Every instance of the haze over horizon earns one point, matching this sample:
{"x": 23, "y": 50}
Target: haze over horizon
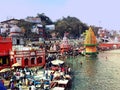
{"x": 104, "y": 13}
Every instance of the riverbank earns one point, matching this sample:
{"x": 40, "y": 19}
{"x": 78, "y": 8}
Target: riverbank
{"x": 113, "y": 51}
{"x": 36, "y": 75}
{"x": 99, "y": 73}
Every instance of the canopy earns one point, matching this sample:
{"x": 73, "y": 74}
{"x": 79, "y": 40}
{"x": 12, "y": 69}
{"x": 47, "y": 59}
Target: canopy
{"x": 16, "y": 65}
{"x": 5, "y": 70}
{"x": 57, "y": 62}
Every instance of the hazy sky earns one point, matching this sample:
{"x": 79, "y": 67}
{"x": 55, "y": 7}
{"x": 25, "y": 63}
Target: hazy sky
{"x": 103, "y": 13}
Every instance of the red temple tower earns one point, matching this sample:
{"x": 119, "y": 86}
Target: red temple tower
{"x": 5, "y": 47}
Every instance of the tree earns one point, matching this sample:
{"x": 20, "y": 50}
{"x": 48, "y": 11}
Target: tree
{"x": 72, "y": 25}
{"x": 45, "y": 20}
{"x": 26, "y": 26}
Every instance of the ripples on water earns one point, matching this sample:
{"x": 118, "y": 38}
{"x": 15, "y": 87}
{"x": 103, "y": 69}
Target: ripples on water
{"x": 101, "y": 73}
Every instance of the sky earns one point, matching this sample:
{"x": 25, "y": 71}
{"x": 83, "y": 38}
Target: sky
{"x": 104, "y": 13}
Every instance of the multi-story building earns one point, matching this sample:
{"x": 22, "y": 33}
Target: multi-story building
{"x": 16, "y": 35}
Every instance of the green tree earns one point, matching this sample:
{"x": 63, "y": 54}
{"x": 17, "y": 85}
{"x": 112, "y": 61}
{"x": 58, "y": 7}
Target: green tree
{"x": 72, "y": 25}
{"x": 45, "y": 20}
{"x": 27, "y": 26}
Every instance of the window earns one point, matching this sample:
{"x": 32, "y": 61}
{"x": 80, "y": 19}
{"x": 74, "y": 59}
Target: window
{"x": 18, "y": 42}
{"x": 32, "y": 60}
{"x": 26, "y": 62}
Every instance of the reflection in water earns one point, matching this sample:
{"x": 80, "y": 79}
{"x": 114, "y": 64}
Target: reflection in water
{"x": 90, "y": 68}
{"x": 96, "y": 73}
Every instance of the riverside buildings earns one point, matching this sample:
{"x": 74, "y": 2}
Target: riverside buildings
{"x": 13, "y": 49}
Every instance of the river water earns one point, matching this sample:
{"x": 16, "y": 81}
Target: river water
{"x": 100, "y": 73}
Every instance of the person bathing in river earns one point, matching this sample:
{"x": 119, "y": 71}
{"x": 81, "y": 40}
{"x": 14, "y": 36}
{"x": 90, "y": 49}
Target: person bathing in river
{"x": 106, "y": 58}
{"x": 81, "y": 63}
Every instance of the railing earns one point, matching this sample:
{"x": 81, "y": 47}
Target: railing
{"x": 29, "y": 52}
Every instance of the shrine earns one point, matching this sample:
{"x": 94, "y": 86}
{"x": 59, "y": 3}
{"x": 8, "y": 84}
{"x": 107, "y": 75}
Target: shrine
{"x": 90, "y": 43}
{"x": 64, "y": 46}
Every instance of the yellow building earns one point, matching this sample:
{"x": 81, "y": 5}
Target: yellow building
{"x": 90, "y": 43}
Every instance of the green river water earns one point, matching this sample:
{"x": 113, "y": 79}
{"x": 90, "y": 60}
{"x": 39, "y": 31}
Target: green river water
{"x": 99, "y": 73}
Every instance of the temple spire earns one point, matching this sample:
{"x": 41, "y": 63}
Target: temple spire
{"x": 90, "y": 42}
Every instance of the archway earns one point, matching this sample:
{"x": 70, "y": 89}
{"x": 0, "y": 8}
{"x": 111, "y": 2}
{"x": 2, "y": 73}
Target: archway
{"x": 39, "y": 60}
{"x": 26, "y": 61}
{"x": 32, "y": 60}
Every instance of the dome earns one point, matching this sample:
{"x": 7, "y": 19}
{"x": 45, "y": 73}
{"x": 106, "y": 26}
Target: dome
{"x": 15, "y": 29}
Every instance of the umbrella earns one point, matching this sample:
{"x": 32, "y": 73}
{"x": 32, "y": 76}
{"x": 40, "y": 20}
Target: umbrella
{"x": 16, "y": 65}
{"x": 57, "y": 62}
{"x": 5, "y": 70}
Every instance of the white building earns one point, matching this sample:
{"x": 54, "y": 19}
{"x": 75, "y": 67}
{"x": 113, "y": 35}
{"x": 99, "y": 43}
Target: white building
{"x": 17, "y": 36}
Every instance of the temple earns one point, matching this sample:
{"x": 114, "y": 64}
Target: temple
{"x": 90, "y": 43}
{"x": 64, "y": 46}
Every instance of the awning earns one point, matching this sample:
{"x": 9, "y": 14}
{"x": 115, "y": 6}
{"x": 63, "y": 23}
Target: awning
{"x": 57, "y": 62}
{"x": 16, "y": 65}
{"x": 5, "y": 70}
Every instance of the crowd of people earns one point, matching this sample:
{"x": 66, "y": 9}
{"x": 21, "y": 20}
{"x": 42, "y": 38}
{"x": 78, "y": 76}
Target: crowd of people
{"x": 24, "y": 77}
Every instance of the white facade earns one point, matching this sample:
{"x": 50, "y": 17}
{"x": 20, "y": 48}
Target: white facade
{"x": 17, "y": 36}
